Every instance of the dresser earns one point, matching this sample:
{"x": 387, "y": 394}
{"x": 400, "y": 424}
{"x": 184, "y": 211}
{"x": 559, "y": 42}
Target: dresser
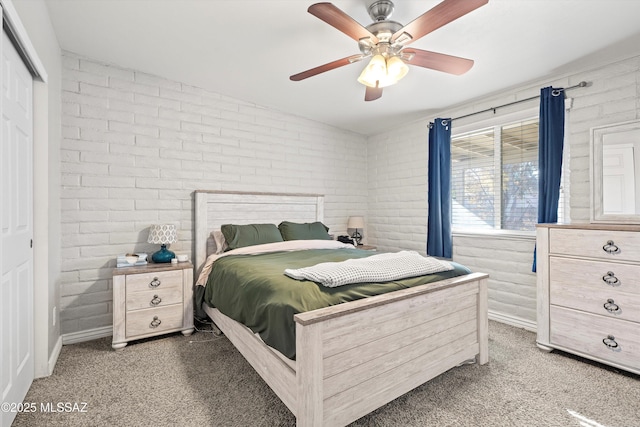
{"x": 588, "y": 284}
{"x": 151, "y": 300}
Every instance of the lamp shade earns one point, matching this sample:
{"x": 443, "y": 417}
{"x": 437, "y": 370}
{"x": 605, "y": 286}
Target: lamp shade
{"x": 162, "y": 234}
{"x": 381, "y": 72}
{"x": 396, "y": 68}
{"x": 375, "y": 72}
{"x": 355, "y": 222}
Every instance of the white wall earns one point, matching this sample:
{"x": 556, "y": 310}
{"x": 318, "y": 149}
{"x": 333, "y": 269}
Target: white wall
{"x": 136, "y": 146}
{"x": 397, "y": 180}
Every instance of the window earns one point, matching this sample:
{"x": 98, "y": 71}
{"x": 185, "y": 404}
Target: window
{"x": 494, "y": 177}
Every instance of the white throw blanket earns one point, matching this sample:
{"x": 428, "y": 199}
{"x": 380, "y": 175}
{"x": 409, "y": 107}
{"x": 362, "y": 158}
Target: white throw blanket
{"x": 376, "y": 268}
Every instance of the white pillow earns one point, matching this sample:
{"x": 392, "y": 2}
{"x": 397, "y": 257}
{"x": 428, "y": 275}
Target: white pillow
{"x": 221, "y": 243}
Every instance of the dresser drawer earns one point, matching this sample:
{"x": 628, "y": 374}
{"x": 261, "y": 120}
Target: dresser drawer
{"x": 155, "y": 280}
{"x": 589, "y": 333}
{"x": 597, "y": 275}
{"x": 153, "y": 320}
{"x": 581, "y": 284}
{"x": 153, "y": 298}
{"x": 623, "y": 245}
{"x": 616, "y": 305}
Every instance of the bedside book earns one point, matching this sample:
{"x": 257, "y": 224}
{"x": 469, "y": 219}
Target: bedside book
{"x": 122, "y": 262}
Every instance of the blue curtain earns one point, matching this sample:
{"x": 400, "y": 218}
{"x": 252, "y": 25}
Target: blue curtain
{"x": 439, "y": 238}
{"x": 551, "y": 144}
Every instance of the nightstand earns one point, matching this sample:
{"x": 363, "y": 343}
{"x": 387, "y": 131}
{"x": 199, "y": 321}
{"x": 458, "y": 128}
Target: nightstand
{"x": 151, "y": 300}
{"x": 367, "y": 247}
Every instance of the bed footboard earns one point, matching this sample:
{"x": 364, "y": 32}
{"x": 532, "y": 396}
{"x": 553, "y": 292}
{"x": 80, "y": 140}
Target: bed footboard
{"x": 353, "y": 358}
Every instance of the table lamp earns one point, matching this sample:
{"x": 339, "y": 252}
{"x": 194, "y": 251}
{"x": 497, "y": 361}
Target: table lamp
{"x": 162, "y": 234}
{"x": 356, "y": 222}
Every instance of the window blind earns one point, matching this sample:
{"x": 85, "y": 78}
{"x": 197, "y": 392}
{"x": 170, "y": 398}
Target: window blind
{"x": 494, "y": 176}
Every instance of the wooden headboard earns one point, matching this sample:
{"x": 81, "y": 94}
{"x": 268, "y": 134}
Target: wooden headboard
{"x": 215, "y": 208}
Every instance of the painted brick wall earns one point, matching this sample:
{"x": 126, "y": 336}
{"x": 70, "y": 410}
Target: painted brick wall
{"x": 136, "y": 146}
{"x": 613, "y": 97}
{"x": 397, "y": 180}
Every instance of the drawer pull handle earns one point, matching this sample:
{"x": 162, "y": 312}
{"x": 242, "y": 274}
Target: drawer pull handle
{"x": 155, "y": 322}
{"x": 155, "y": 282}
{"x": 611, "y": 279}
{"x": 610, "y": 341}
{"x": 156, "y": 300}
{"x": 611, "y": 306}
{"x": 611, "y": 248}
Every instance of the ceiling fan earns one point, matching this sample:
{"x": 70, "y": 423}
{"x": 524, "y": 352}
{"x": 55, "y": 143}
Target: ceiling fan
{"x": 386, "y": 42}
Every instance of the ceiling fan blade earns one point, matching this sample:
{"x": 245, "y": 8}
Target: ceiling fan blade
{"x": 442, "y": 14}
{"x": 372, "y": 93}
{"x": 438, "y": 61}
{"x": 340, "y": 20}
{"x": 327, "y": 67}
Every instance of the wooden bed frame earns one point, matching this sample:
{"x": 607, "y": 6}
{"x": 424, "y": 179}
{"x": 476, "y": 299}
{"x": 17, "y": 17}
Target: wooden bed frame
{"x": 355, "y": 357}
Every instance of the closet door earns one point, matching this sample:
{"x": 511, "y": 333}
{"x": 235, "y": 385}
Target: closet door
{"x": 16, "y": 231}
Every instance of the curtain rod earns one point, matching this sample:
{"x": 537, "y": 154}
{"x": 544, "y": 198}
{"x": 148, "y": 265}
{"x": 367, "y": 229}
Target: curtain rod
{"x": 581, "y": 84}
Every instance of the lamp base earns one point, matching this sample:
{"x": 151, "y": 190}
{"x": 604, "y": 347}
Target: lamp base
{"x": 357, "y": 237}
{"x": 163, "y": 255}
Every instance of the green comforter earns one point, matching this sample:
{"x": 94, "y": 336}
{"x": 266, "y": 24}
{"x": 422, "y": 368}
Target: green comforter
{"x": 253, "y": 290}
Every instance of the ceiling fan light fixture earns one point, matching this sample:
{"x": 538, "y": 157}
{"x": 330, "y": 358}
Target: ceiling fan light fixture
{"x": 381, "y": 72}
{"x": 396, "y": 68}
{"x": 375, "y": 72}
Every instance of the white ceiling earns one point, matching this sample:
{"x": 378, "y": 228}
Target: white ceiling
{"x": 247, "y": 49}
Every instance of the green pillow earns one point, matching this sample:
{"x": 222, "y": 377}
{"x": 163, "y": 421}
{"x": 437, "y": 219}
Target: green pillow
{"x": 306, "y": 231}
{"x": 239, "y": 236}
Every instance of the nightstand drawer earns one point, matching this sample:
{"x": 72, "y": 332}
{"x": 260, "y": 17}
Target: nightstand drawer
{"x": 613, "y": 340}
{"x": 153, "y": 320}
{"x": 153, "y": 298}
{"x": 156, "y": 280}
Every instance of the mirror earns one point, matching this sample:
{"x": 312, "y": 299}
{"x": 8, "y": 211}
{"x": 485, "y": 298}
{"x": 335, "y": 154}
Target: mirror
{"x": 615, "y": 173}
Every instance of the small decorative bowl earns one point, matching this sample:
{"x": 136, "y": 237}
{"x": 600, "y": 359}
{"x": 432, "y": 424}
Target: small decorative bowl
{"x": 131, "y": 258}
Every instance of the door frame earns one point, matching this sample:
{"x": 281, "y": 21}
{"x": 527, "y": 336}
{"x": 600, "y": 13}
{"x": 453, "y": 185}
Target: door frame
{"x": 42, "y": 322}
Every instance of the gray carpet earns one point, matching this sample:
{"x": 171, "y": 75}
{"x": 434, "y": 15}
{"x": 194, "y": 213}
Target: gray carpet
{"x": 172, "y": 381}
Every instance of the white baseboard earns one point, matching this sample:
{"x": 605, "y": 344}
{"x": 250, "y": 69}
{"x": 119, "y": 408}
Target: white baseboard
{"x": 513, "y": 321}
{"x": 47, "y": 369}
{"x": 88, "y": 335}
{"x": 53, "y": 359}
